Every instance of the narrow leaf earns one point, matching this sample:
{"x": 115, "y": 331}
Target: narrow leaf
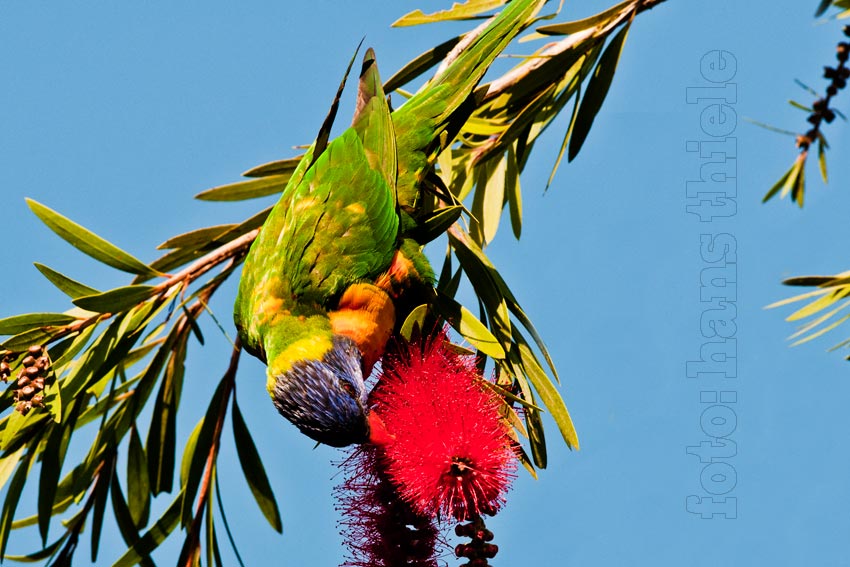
{"x": 138, "y": 483}
{"x": 420, "y": 64}
{"x": 154, "y": 536}
{"x": 597, "y": 89}
{"x": 195, "y": 238}
{"x": 255, "y": 473}
{"x": 13, "y": 496}
{"x": 66, "y": 285}
{"x": 124, "y": 519}
{"x": 549, "y": 395}
{"x": 279, "y": 167}
{"x": 779, "y": 185}
{"x": 513, "y": 192}
{"x": 436, "y": 224}
{"x": 244, "y": 190}
{"x": 469, "y": 326}
{"x": 88, "y": 242}
{"x": 18, "y": 324}
{"x": 115, "y": 300}
{"x": 471, "y": 9}
{"x": 822, "y": 161}
{"x": 599, "y": 20}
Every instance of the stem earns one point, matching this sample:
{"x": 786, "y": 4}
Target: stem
{"x": 511, "y": 78}
{"x": 206, "y": 482}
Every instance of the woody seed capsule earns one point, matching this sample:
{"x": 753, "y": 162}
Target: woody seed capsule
{"x": 34, "y": 350}
{"x": 23, "y": 381}
{"x": 27, "y": 391}
{"x": 32, "y": 371}
{"x": 28, "y": 361}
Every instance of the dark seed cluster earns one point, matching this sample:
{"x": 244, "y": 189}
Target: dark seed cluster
{"x": 821, "y": 112}
{"x": 30, "y": 381}
{"x": 479, "y": 550}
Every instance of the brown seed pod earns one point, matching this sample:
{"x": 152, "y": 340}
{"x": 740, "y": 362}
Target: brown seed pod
{"x": 28, "y": 361}
{"x": 32, "y": 371}
{"x": 27, "y": 391}
{"x": 35, "y": 350}
{"x": 23, "y": 381}
{"x": 37, "y": 401}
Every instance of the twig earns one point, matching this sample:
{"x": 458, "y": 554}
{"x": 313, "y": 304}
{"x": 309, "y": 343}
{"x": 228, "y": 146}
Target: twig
{"x": 516, "y": 75}
{"x": 206, "y": 482}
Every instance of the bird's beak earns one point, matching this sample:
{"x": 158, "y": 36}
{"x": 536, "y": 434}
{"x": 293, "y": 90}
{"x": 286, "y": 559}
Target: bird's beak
{"x": 378, "y": 434}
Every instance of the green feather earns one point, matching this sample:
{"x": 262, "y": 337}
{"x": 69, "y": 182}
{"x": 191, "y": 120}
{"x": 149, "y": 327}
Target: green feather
{"x": 337, "y": 221}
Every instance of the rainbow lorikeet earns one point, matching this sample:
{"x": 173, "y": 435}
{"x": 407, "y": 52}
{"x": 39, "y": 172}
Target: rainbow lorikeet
{"x": 322, "y": 285}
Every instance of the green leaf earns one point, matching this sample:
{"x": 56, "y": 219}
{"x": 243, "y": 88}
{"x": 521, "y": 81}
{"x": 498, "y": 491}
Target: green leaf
{"x": 154, "y": 536}
{"x": 226, "y": 523}
{"x": 193, "y": 324}
{"x": 279, "y": 167}
{"x": 115, "y": 300}
{"x": 7, "y": 465}
{"x": 13, "y": 496}
{"x": 124, "y": 519}
{"x": 18, "y": 324}
{"x": 195, "y": 238}
{"x": 22, "y": 341}
{"x": 567, "y": 136}
{"x": 469, "y": 326}
{"x": 822, "y": 8}
{"x": 597, "y": 89}
{"x": 414, "y": 321}
{"x": 549, "y": 395}
{"x": 469, "y": 10}
{"x": 822, "y": 161}
{"x": 513, "y": 192}
{"x": 781, "y": 184}
{"x": 189, "y": 452}
{"x": 799, "y": 106}
{"x": 88, "y": 242}
{"x": 138, "y": 483}
{"x": 41, "y": 554}
{"x": 66, "y": 285}
{"x": 162, "y": 435}
{"x": 203, "y": 447}
{"x": 536, "y": 437}
{"x": 420, "y": 64}
{"x": 597, "y": 21}
{"x": 52, "y": 458}
{"x": 101, "y": 495}
{"x": 436, "y": 224}
{"x": 255, "y": 473}
{"x": 244, "y": 190}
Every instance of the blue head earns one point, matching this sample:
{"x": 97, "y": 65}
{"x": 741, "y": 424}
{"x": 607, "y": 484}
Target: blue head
{"x": 326, "y": 398}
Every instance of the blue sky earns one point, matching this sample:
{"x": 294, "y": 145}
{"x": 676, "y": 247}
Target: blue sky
{"x": 115, "y": 114}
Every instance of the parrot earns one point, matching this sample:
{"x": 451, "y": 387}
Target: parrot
{"x": 323, "y": 283}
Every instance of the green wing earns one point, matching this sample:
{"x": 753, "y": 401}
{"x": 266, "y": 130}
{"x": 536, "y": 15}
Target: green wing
{"x": 336, "y": 224}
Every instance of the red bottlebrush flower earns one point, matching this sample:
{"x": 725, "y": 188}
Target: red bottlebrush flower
{"x": 379, "y": 528}
{"x": 451, "y": 454}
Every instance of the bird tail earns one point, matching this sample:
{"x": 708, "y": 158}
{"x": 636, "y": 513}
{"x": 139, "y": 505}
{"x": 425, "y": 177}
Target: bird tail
{"x": 423, "y": 122}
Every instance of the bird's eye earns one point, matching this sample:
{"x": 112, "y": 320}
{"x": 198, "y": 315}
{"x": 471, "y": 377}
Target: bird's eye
{"x": 348, "y": 387}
